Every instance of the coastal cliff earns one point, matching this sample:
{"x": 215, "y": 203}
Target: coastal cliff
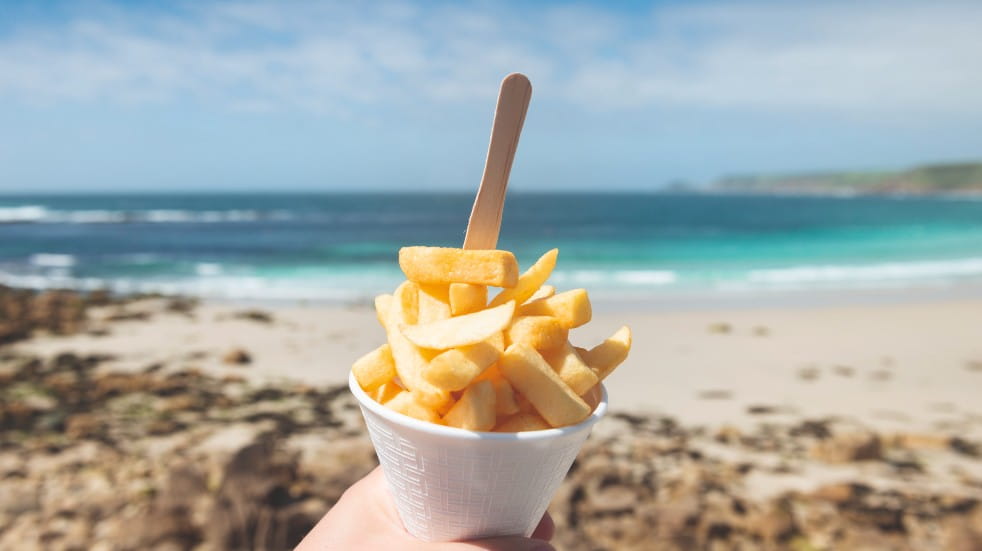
{"x": 934, "y": 179}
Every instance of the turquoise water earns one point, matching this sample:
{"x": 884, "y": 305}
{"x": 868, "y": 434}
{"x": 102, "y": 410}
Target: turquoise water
{"x": 343, "y": 246}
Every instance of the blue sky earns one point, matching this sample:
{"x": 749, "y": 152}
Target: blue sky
{"x": 263, "y": 95}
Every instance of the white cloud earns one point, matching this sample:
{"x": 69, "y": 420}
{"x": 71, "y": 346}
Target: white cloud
{"x": 339, "y": 58}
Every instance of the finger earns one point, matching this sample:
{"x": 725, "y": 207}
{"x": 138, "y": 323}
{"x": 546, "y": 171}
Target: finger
{"x": 546, "y": 528}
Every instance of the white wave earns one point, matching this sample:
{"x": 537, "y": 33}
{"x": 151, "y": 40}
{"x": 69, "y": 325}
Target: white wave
{"x": 891, "y": 271}
{"x": 85, "y": 217}
{"x": 21, "y": 214}
{"x": 41, "y": 215}
{"x": 613, "y": 277}
{"x": 646, "y": 277}
{"x": 208, "y": 269}
{"x": 185, "y": 216}
{"x": 51, "y": 260}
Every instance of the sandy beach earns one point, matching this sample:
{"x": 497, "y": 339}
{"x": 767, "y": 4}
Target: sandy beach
{"x": 910, "y": 366}
{"x": 826, "y": 426}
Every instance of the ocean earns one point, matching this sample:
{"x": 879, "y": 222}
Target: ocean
{"x": 343, "y": 247}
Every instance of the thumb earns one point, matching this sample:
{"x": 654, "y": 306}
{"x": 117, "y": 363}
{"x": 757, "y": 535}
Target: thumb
{"x": 511, "y": 543}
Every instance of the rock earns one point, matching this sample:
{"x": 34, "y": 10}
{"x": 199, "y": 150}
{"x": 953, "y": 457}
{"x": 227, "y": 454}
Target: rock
{"x": 965, "y": 447}
{"x": 13, "y": 331}
{"x": 115, "y": 384}
{"x": 773, "y": 524}
{"x": 182, "y": 305}
{"x": 720, "y": 328}
{"x": 809, "y": 373}
{"x": 728, "y": 434}
{"x": 844, "y": 370}
{"x": 237, "y": 356}
{"x": 919, "y": 441}
{"x": 840, "y": 493}
{"x": 716, "y": 394}
{"x": 960, "y": 535}
{"x": 83, "y": 425}
{"x": 253, "y": 507}
{"x": 848, "y": 447}
{"x": 258, "y": 316}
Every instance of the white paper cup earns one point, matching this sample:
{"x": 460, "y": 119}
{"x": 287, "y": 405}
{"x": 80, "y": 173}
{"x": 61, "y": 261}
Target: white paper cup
{"x": 451, "y": 484}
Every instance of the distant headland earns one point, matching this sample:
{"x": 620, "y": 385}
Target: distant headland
{"x": 934, "y": 179}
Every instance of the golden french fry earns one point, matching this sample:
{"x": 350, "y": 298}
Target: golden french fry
{"x": 475, "y": 409}
{"x": 529, "y": 374}
{"x": 410, "y": 360}
{"x": 504, "y": 397}
{"x": 571, "y": 308}
{"x": 407, "y": 297}
{"x": 461, "y": 330}
{"x": 524, "y": 405}
{"x": 447, "y": 265}
{"x": 375, "y": 368}
{"x": 539, "y": 332}
{"x": 406, "y": 403}
{"x": 434, "y": 303}
{"x": 545, "y": 291}
{"x": 382, "y": 304}
{"x": 386, "y": 392}
{"x": 521, "y": 422}
{"x": 466, "y": 298}
{"x": 530, "y": 281}
{"x": 506, "y": 400}
{"x": 571, "y": 368}
{"x": 457, "y": 367}
{"x": 609, "y": 354}
{"x": 497, "y": 340}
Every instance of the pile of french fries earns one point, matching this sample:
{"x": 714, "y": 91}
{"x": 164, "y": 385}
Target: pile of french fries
{"x": 507, "y": 365}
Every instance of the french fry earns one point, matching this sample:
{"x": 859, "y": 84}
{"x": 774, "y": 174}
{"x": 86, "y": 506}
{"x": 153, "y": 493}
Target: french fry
{"x": 446, "y": 265}
{"x": 475, "y": 409}
{"x": 521, "y": 422}
{"x": 375, "y": 368}
{"x": 407, "y": 297}
{"x": 530, "y": 281}
{"x": 539, "y": 332}
{"x": 406, "y": 403}
{"x": 460, "y": 330}
{"x": 382, "y": 304}
{"x": 466, "y": 298}
{"x": 545, "y": 291}
{"x": 386, "y": 392}
{"x": 457, "y": 367}
{"x": 453, "y": 358}
{"x": 504, "y": 397}
{"x": 434, "y": 303}
{"x": 506, "y": 401}
{"x": 571, "y": 308}
{"x": 497, "y": 340}
{"x": 606, "y": 356}
{"x": 571, "y": 368}
{"x": 410, "y": 360}
{"x": 529, "y": 374}
{"x": 524, "y": 405}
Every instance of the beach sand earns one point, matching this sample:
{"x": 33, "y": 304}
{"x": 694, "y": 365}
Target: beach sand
{"x": 819, "y": 427}
{"x": 911, "y": 366}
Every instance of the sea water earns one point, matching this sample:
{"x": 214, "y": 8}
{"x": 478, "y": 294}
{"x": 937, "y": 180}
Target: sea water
{"x": 343, "y": 247}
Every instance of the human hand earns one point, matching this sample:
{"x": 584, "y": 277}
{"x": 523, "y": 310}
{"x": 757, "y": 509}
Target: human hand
{"x": 365, "y": 518}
